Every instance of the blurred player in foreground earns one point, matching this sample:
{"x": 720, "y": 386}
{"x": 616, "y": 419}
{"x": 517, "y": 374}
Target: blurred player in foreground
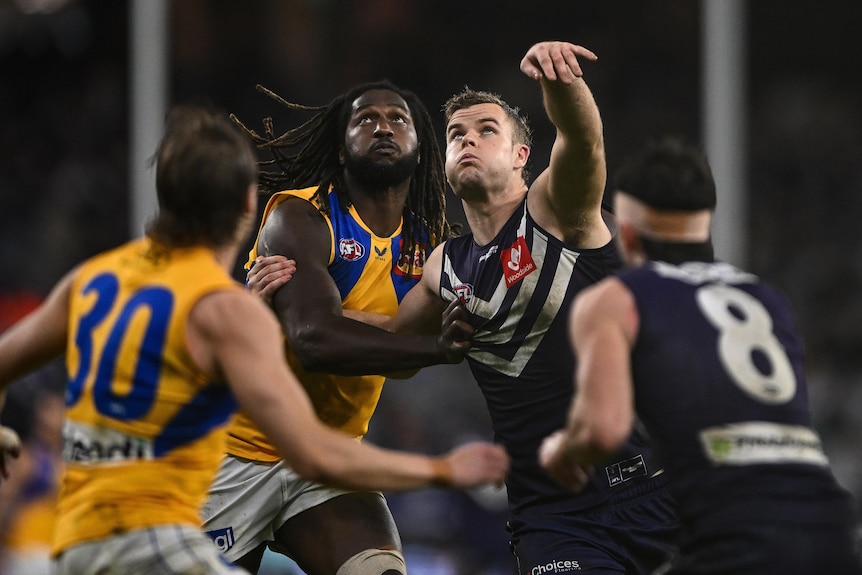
{"x": 160, "y": 345}
{"x": 709, "y": 358}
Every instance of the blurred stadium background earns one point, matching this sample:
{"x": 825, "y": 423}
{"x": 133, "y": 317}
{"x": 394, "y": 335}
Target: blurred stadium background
{"x": 771, "y": 88}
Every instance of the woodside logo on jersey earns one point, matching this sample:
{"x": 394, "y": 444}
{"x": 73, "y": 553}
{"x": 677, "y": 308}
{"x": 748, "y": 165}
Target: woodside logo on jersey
{"x": 517, "y": 262}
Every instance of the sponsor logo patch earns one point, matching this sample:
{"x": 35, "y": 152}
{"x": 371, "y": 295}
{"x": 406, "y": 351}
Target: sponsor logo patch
{"x": 87, "y": 445}
{"x": 757, "y": 442}
{"x": 223, "y": 538}
{"x": 517, "y": 262}
{"x": 556, "y": 566}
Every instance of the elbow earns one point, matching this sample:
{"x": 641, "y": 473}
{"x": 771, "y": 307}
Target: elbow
{"x": 309, "y": 344}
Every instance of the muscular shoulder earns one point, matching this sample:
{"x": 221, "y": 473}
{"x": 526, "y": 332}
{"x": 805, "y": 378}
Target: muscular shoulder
{"x": 224, "y": 318}
{"x": 293, "y": 224}
{"x": 608, "y": 302}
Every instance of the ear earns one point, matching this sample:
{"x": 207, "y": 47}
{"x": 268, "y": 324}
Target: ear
{"x": 341, "y": 156}
{"x": 522, "y": 154}
{"x": 251, "y": 200}
{"x": 630, "y": 242}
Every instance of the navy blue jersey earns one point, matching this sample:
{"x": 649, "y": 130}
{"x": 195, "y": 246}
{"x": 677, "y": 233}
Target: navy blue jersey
{"x": 518, "y": 290}
{"x": 720, "y": 387}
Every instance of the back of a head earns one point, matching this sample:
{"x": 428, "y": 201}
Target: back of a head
{"x": 204, "y": 167}
{"x": 668, "y": 175}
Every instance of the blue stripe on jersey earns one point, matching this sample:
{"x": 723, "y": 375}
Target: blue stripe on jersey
{"x": 210, "y": 408}
{"x": 352, "y": 244}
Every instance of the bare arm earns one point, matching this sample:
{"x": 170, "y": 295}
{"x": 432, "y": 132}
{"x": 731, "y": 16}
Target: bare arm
{"x": 603, "y": 327}
{"x": 310, "y": 312}
{"x": 26, "y": 346}
{"x": 566, "y": 197}
{"x": 232, "y": 334}
{"x": 38, "y": 338}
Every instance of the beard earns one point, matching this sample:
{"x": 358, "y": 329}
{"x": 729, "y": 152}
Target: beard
{"x": 373, "y": 174}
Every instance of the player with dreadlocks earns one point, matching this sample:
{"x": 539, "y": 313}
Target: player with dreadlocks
{"x": 356, "y": 199}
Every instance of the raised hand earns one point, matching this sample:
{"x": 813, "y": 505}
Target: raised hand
{"x": 555, "y": 61}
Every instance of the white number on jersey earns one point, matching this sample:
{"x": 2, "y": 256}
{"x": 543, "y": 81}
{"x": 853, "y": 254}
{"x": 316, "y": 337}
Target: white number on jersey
{"x": 745, "y": 333}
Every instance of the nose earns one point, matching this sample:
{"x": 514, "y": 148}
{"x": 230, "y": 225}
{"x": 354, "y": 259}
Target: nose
{"x": 383, "y": 128}
{"x": 469, "y": 138}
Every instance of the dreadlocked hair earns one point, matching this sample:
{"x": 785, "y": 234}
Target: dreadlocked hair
{"x": 307, "y": 156}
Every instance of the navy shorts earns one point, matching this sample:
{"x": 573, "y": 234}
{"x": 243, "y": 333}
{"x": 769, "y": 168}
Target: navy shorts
{"x": 633, "y": 532}
{"x": 771, "y": 549}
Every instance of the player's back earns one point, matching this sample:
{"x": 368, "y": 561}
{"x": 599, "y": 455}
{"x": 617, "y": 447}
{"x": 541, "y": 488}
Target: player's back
{"x": 720, "y": 386}
{"x": 145, "y": 429}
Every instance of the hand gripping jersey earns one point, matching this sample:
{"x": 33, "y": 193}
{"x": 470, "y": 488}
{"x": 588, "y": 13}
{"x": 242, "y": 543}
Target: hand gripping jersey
{"x": 145, "y": 429}
{"x": 720, "y": 386}
{"x": 518, "y": 290}
{"x": 371, "y": 275}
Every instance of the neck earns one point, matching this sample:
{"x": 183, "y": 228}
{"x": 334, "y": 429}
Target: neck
{"x": 677, "y": 252}
{"x": 487, "y": 216}
{"x": 380, "y": 209}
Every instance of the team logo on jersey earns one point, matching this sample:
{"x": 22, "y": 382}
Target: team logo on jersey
{"x": 517, "y": 262}
{"x": 350, "y": 250}
{"x": 464, "y": 293}
{"x": 402, "y": 266}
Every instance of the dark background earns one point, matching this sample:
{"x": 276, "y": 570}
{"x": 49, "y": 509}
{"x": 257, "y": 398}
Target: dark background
{"x": 64, "y": 167}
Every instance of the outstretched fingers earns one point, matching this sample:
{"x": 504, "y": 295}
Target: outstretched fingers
{"x": 555, "y": 61}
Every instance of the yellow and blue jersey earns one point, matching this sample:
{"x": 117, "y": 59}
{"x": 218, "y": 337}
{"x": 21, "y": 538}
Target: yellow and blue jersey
{"x": 145, "y": 428}
{"x": 371, "y": 273}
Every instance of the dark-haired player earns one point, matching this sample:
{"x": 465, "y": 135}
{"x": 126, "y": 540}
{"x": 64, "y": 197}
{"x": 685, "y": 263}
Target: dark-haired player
{"x": 709, "y": 359}
{"x": 356, "y": 200}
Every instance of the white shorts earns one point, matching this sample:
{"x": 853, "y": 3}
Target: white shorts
{"x": 164, "y": 550}
{"x": 249, "y": 501}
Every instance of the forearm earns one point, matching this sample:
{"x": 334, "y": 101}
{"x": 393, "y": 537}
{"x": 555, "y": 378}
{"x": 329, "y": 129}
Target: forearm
{"x": 364, "y": 466}
{"x": 573, "y": 110}
{"x": 329, "y": 456}
{"x": 347, "y": 347}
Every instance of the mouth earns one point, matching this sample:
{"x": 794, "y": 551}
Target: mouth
{"x": 385, "y": 147}
{"x": 467, "y": 158}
